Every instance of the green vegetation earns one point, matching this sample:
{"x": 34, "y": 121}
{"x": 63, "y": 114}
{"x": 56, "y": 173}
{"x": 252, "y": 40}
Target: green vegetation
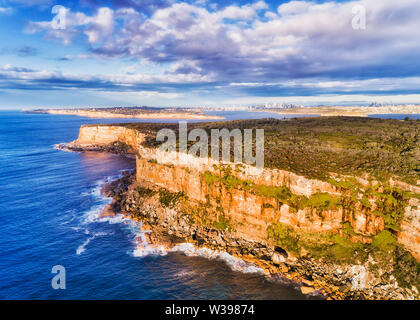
{"x": 283, "y": 195}
{"x": 344, "y": 250}
{"x": 384, "y": 241}
{"x": 222, "y": 223}
{"x": 323, "y": 201}
{"x": 210, "y": 178}
{"x": 338, "y": 248}
{"x": 391, "y": 204}
{"x": 334, "y": 247}
{"x": 320, "y": 245}
{"x": 406, "y": 269}
{"x": 285, "y": 237}
{"x": 344, "y": 247}
{"x": 145, "y": 192}
{"x": 314, "y": 147}
{"x": 120, "y": 147}
{"x": 170, "y": 199}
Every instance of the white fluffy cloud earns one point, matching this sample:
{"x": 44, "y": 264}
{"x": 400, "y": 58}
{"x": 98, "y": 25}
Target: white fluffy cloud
{"x": 252, "y": 43}
{"x": 96, "y": 27}
{"x": 6, "y": 10}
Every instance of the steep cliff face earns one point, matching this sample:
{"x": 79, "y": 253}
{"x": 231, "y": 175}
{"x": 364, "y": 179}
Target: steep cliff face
{"x": 296, "y": 223}
{"x": 250, "y": 214}
{"x": 253, "y": 214}
{"x": 90, "y": 135}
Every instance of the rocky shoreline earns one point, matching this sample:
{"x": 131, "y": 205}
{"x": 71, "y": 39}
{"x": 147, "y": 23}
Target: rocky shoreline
{"x": 160, "y": 235}
{"x": 170, "y": 226}
{"x": 257, "y": 217}
{"x": 114, "y": 148}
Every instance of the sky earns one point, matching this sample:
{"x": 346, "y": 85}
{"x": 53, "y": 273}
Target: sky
{"x": 92, "y": 53}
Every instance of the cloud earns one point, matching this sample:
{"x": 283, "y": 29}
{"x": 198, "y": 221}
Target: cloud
{"x": 307, "y": 38}
{"x": 6, "y": 10}
{"x": 27, "y": 51}
{"x": 295, "y": 7}
{"x": 95, "y": 28}
{"x": 312, "y": 87}
{"x": 31, "y": 79}
{"x": 245, "y": 12}
{"x": 299, "y": 48}
{"x": 143, "y": 6}
{"x": 173, "y": 84}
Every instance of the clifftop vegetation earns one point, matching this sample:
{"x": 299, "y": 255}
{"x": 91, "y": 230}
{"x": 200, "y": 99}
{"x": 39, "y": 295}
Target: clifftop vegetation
{"x": 315, "y": 147}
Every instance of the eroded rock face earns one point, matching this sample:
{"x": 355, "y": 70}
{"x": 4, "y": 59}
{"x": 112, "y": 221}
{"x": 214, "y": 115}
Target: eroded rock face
{"x": 409, "y": 235}
{"x": 104, "y": 135}
{"x": 182, "y": 172}
{"x": 249, "y": 215}
{"x": 345, "y": 281}
{"x": 252, "y": 214}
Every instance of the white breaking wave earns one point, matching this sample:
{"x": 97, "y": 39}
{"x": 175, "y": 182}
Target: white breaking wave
{"x": 143, "y": 248}
{"x": 93, "y": 214}
{"x": 234, "y": 263}
{"x": 82, "y": 247}
{"x": 149, "y": 251}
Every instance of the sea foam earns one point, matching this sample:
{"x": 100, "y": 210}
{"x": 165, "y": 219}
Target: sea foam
{"x": 143, "y": 248}
{"x": 234, "y": 263}
{"x": 82, "y": 247}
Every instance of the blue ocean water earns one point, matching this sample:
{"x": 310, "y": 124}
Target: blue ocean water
{"x": 49, "y": 204}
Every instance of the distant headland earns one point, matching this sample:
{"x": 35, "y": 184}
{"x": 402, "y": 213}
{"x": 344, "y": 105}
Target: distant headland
{"x": 131, "y": 112}
{"x": 199, "y": 112}
{"x": 351, "y": 111}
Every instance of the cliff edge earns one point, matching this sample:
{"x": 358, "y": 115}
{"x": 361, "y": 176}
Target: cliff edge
{"x": 349, "y": 236}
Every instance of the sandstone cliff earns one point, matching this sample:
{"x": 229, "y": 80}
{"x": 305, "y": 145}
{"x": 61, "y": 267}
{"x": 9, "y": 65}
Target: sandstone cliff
{"x": 277, "y": 215}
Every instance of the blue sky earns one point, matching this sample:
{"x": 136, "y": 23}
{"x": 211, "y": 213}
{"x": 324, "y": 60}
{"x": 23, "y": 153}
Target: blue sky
{"x": 202, "y": 52}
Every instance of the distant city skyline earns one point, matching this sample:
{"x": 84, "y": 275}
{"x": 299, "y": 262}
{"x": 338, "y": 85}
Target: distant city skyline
{"x": 91, "y": 53}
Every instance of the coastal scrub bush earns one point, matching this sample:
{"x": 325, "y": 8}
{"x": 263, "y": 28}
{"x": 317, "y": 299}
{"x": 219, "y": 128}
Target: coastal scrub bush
{"x": 406, "y": 269}
{"x": 222, "y": 223}
{"x": 326, "y": 245}
{"x": 231, "y": 182}
{"x": 210, "y": 178}
{"x": 344, "y": 250}
{"x": 391, "y": 203}
{"x": 120, "y": 147}
{"x": 384, "y": 241}
{"x": 323, "y": 201}
{"x": 315, "y": 147}
{"x": 145, "y": 192}
{"x": 285, "y": 237}
{"x": 170, "y": 199}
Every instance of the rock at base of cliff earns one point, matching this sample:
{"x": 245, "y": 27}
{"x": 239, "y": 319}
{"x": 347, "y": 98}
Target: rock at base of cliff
{"x": 307, "y": 290}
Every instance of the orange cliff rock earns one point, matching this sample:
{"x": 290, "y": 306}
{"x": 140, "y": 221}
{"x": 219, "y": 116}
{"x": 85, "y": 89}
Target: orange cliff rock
{"x": 251, "y": 214}
{"x": 104, "y": 135}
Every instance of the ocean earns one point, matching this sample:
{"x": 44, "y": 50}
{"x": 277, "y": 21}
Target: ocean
{"x": 50, "y": 202}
